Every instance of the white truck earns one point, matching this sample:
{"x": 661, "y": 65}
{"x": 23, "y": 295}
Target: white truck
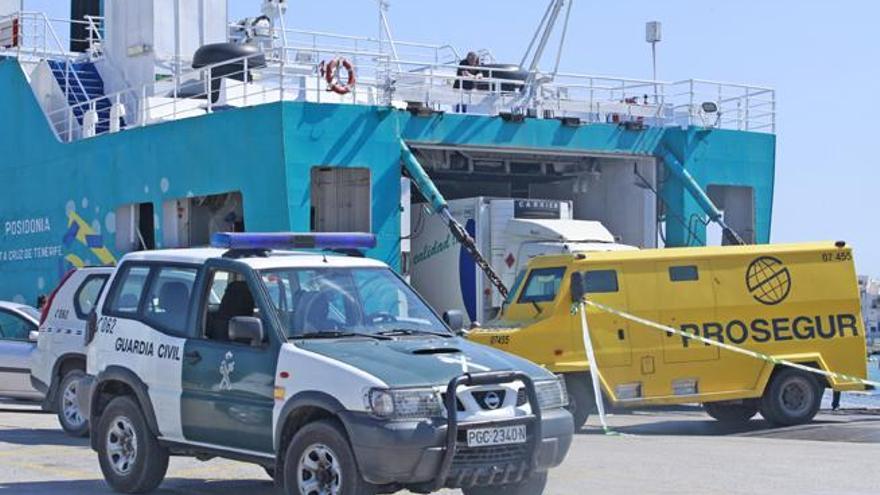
{"x": 509, "y": 232}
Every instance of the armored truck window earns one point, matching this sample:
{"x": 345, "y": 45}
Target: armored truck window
{"x": 517, "y": 283}
{"x": 600, "y": 281}
{"x": 542, "y": 285}
{"x": 169, "y": 298}
{"x": 128, "y": 291}
{"x": 685, "y": 273}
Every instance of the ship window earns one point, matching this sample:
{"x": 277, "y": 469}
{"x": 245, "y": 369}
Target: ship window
{"x": 600, "y": 281}
{"x": 135, "y": 227}
{"x": 192, "y": 221}
{"x": 340, "y": 199}
{"x": 685, "y": 273}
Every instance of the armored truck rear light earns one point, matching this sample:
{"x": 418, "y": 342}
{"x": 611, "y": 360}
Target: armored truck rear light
{"x": 293, "y": 240}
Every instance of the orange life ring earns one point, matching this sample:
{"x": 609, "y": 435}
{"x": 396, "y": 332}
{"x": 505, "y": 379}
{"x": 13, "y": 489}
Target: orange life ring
{"x": 330, "y": 71}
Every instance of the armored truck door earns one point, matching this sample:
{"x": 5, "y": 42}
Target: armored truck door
{"x": 686, "y": 300}
{"x": 609, "y": 332}
{"x": 228, "y": 385}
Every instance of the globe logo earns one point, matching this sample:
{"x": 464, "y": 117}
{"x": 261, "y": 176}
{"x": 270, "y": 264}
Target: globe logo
{"x": 768, "y": 280}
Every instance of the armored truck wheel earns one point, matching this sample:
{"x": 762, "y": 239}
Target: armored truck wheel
{"x": 533, "y": 486}
{"x": 792, "y": 397}
{"x": 581, "y": 399}
{"x": 72, "y": 421}
{"x": 320, "y": 460}
{"x": 731, "y": 413}
{"x": 130, "y": 456}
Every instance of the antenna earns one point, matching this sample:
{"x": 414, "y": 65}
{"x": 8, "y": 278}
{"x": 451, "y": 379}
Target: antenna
{"x": 653, "y": 36}
{"x": 275, "y": 10}
{"x": 539, "y": 43}
{"x": 385, "y": 31}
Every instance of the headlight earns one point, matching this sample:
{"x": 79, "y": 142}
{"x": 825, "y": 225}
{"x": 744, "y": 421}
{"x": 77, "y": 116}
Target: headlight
{"x": 410, "y": 403}
{"x": 551, "y": 394}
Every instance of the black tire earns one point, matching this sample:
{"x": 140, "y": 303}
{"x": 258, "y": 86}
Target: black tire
{"x": 67, "y": 407}
{"x": 533, "y": 486}
{"x": 325, "y": 443}
{"x": 733, "y": 414}
{"x": 791, "y": 398}
{"x": 147, "y": 465}
{"x": 581, "y": 399}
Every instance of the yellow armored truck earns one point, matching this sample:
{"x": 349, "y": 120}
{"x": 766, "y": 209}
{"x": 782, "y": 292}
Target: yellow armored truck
{"x": 797, "y": 302}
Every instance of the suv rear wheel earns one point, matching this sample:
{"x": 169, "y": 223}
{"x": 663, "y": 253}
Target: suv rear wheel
{"x": 792, "y": 397}
{"x": 72, "y": 421}
{"x": 533, "y": 486}
{"x": 320, "y": 460}
{"x": 130, "y": 456}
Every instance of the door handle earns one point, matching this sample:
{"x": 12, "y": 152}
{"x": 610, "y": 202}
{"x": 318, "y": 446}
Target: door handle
{"x": 620, "y": 334}
{"x": 192, "y": 357}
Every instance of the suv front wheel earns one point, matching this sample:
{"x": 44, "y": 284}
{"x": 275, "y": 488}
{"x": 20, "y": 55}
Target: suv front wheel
{"x": 130, "y": 455}
{"x": 69, "y": 415}
{"x": 320, "y": 460}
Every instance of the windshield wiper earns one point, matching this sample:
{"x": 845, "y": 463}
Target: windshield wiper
{"x": 335, "y": 334}
{"x": 411, "y": 331}
{"x": 537, "y": 308}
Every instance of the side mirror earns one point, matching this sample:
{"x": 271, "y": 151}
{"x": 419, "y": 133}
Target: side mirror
{"x": 33, "y": 335}
{"x": 577, "y": 287}
{"x": 454, "y": 319}
{"x": 246, "y": 329}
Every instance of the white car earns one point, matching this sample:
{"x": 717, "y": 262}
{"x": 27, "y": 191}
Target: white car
{"x": 60, "y": 358}
{"x": 18, "y": 337}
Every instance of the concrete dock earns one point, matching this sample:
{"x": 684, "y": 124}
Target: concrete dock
{"x": 678, "y": 451}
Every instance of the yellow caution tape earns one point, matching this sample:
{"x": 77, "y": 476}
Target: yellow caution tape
{"x": 731, "y": 348}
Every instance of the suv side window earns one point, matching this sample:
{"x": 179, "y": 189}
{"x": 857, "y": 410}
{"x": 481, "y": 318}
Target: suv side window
{"x": 14, "y": 327}
{"x": 229, "y": 296}
{"x": 129, "y": 290}
{"x": 168, "y": 300}
{"x": 87, "y": 295}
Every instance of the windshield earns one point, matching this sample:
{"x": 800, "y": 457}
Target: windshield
{"x": 542, "y": 285}
{"x": 369, "y": 301}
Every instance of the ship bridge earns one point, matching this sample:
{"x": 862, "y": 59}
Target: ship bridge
{"x": 154, "y": 125}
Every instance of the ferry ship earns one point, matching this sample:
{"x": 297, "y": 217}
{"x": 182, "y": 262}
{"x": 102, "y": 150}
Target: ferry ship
{"x": 149, "y": 124}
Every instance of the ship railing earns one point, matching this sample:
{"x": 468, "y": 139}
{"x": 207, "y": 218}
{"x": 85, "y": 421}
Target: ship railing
{"x": 739, "y": 106}
{"x": 38, "y": 37}
{"x": 297, "y": 41}
{"x": 592, "y": 98}
{"x": 38, "y": 40}
{"x": 291, "y": 74}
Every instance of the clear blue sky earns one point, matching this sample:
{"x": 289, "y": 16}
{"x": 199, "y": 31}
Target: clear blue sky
{"x": 822, "y": 57}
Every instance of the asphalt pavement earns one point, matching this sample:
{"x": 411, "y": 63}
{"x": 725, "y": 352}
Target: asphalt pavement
{"x": 679, "y": 450}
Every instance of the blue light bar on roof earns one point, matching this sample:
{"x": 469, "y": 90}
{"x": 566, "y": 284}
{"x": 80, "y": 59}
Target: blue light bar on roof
{"x": 292, "y": 240}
